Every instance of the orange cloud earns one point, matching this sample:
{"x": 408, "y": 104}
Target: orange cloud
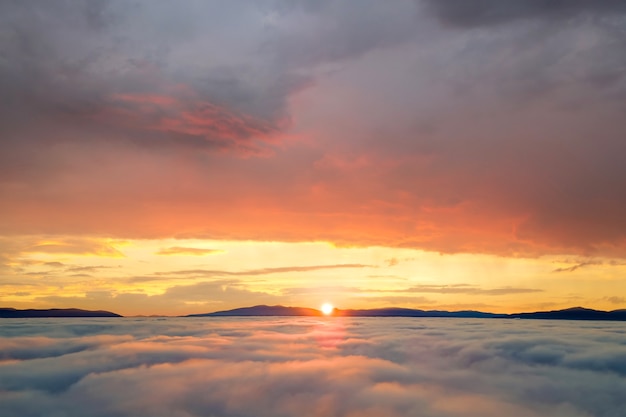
{"x": 498, "y": 159}
{"x": 74, "y": 246}
{"x": 178, "y": 250}
{"x": 238, "y": 214}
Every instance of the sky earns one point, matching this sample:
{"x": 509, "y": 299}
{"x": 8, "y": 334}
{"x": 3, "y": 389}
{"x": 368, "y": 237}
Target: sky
{"x": 163, "y": 157}
{"x": 312, "y": 367}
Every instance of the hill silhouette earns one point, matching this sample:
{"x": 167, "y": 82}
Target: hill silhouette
{"x": 54, "y": 312}
{"x": 263, "y": 310}
{"x": 574, "y": 313}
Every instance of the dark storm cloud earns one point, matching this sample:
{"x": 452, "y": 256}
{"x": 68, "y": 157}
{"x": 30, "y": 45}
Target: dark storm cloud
{"x": 311, "y": 367}
{"x": 468, "y": 13}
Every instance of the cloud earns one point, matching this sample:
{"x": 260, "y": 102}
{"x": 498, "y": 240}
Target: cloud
{"x": 283, "y": 121}
{"x": 193, "y": 122}
{"x": 198, "y": 297}
{"x": 573, "y": 267}
{"x": 93, "y": 268}
{"x": 616, "y": 300}
{"x": 170, "y": 77}
{"x": 311, "y": 367}
{"x": 74, "y": 246}
{"x": 583, "y": 264}
{"x": 464, "y": 289}
{"x": 93, "y": 67}
{"x": 179, "y": 250}
{"x": 392, "y": 261}
{"x": 317, "y": 289}
{"x": 428, "y": 289}
{"x": 263, "y": 271}
{"x": 54, "y": 264}
{"x": 469, "y": 13}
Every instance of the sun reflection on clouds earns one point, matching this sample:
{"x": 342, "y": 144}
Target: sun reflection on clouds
{"x": 331, "y": 334}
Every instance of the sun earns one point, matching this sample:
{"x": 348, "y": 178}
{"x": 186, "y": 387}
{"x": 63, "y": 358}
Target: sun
{"x": 327, "y": 309}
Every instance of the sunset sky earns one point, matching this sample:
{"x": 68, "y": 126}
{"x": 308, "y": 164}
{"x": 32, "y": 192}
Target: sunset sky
{"x": 161, "y": 157}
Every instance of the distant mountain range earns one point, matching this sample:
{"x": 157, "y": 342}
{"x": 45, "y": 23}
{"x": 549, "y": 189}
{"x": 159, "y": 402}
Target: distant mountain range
{"x": 574, "y": 313}
{"x": 264, "y": 311}
{"x": 54, "y": 312}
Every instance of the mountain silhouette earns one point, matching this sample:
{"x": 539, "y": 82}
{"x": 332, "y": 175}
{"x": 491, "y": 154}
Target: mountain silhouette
{"x": 574, "y": 313}
{"x": 54, "y": 312}
{"x": 263, "y": 310}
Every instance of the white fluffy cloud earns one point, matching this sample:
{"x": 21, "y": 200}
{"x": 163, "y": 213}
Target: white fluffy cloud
{"x": 311, "y": 367}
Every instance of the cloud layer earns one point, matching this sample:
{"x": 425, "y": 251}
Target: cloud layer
{"x": 311, "y": 367}
{"x": 488, "y": 12}
{"x": 475, "y": 126}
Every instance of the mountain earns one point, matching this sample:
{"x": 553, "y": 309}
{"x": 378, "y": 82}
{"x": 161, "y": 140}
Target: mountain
{"x": 574, "y": 313}
{"x": 409, "y": 312}
{"x": 54, "y": 312}
{"x": 263, "y": 310}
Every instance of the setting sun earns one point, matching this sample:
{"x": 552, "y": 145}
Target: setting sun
{"x": 327, "y": 309}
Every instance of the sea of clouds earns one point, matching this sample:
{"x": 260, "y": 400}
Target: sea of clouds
{"x": 274, "y": 367}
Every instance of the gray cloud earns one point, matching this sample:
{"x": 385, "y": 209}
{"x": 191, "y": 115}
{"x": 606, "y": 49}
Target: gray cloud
{"x": 310, "y": 367}
{"x": 616, "y": 299}
{"x": 468, "y": 13}
{"x": 87, "y": 268}
{"x": 582, "y": 264}
{"x": 201, "y": 75}
{"x": 573, "y": 267}
{"x": 54, "y": 264}
{"x": 130, "y": 73}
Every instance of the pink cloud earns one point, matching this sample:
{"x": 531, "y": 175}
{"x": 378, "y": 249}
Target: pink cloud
{"x": 188, "y": 114}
